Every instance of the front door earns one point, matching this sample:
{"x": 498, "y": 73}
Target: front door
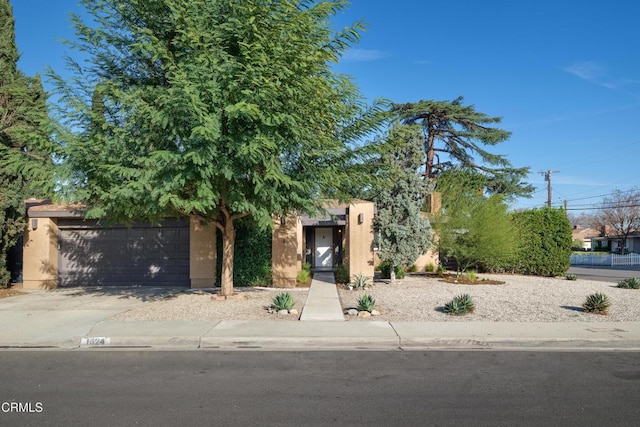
{"x": 324, "y": 247}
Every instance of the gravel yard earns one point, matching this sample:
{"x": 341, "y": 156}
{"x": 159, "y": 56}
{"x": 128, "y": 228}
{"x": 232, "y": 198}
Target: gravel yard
{"x": 519, "y": 299}
{"x": 251, "y": 304}
{"x": 417, "y": 298}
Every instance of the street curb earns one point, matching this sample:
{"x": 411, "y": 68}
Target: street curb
{"x": 221, "y": 343}
{"x": 422, "y": 343}
{"x": 298, "y": 343}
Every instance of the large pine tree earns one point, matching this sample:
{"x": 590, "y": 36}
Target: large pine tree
{"x": 460, "y": 134}
{"x": 25, "y": 146}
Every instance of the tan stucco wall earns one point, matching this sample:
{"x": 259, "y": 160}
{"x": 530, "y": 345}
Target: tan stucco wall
{"x": 359, "y": 246}
{"x": 202, "y": 254}
{"x": 40, "y": 256}
{"x": 430, "y": 257}
{"x": 286, "y": 248}
{"x": 434, "y": 201}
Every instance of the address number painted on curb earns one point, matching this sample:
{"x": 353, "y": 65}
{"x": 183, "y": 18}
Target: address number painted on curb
{"x": 95, "y": 341}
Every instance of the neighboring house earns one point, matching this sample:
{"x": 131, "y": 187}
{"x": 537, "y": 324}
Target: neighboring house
{"x": 585, "y": 235}
{"x": 61, "y": 248}
{"x": 612, "y": 243}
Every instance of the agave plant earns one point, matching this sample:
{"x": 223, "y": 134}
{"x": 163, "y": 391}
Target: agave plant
{"x": 462, "y": 304}
{"x": 597, "y": 303}
{"x": 283, "y": 301}
{"x": 571, "y": 277}
{"x": 359, "y": 281}
{"x": 629, "y": 283}
{"x": 366, "y": 303}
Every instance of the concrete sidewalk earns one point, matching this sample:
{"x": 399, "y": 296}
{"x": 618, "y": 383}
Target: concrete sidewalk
{"x": 76, "y": 319}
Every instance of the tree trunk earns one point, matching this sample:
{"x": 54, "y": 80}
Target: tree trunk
{"x": 228, "y": 245}
{"x": 392, "y": 273}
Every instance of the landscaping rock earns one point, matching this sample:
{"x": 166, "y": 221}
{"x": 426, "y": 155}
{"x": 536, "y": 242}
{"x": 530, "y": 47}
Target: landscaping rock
{"x": 293, "y": 311}
{"x": 352, "y": 312}
{"x": 364, "y": 314}
{"x": 283, "y": 312}
{"x": 375, "y": 313}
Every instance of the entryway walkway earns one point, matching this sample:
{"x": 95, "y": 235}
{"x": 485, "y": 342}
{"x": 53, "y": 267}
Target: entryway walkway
{"x": 323, "y": 302}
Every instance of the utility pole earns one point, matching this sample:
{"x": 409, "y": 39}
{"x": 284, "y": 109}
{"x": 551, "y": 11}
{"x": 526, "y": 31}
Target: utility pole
{"x": 547, "y": 177}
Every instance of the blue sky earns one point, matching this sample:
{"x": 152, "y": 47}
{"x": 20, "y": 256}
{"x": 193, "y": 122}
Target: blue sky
{"x": 563, "y": 75}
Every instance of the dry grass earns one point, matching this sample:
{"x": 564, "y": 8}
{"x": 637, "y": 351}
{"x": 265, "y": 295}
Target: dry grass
{"x": 10, "y": 292}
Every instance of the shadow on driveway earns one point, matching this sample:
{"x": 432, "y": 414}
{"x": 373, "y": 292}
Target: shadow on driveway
{"x": 143, "y": 294}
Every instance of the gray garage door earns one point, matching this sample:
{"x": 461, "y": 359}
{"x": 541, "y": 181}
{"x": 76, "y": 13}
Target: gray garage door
{"x": 142, "y": 255}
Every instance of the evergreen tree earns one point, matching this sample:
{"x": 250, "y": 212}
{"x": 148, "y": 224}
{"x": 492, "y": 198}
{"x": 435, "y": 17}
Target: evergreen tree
{"x": 403, "y": 234}
{"x": 209, "y": 109}
{"x": 460, "y": 132}
{"x": 25, "y": 146}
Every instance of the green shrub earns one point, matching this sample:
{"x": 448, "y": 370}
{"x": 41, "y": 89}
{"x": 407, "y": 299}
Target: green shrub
{"x": 412, "y": 268}
{"x": 629, "y": 283}
{"x": 471, "y": 275}
{"x": 306, "y": 266}
{"x": 366, "y": 303}
{"x": 252, "y": 258}
{"x": 359, "y": 281}
{"x": 597, "y": 303}
{"x": 571, "y": 277}
{"x": 462, "y": 304}
{"x": 385, "y": 269}
{"x": 543, "y": 241}
{"x": 342, "y": 275}
{"x": 577, "y": 245}
{"x": 430, "y": 268}
{"x": 303, "y": 276}
{"x": 441, "y": 270}
{"x": 283, "y": 301}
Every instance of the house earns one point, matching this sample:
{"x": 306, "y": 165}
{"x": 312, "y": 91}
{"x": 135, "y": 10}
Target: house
{"x": 62, "y": 248}
{"x": 585, "y": 235}
{"x": 612, "y": 243}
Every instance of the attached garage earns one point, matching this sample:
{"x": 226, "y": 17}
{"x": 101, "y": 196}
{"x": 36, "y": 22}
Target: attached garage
{"x": 141, "y": 255}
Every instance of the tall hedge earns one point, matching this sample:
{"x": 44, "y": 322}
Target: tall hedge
{"x": 544, "y": 242}
{"x": 252, "y": 259}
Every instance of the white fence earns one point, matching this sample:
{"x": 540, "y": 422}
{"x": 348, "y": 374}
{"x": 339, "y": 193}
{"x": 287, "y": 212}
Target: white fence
{"x": 605, "y": 259}
{"x": 591, "y": 259}
{"x": 631, "y": 259}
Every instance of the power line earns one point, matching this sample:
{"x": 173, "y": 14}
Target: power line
{"x": 602, "y": 195}
{"x": 603, "y": 207}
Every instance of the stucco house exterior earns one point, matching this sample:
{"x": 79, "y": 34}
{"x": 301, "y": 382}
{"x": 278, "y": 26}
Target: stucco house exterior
{"x": 585, "y": 235}
{"x": 62, "y": 248}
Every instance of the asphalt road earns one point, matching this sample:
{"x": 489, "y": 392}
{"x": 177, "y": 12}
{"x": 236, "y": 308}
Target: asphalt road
{"x": 320, "y": 388}
{"x": 605, "y": 274}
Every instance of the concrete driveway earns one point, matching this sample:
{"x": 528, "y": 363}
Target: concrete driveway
{"x": 47, "y": 318}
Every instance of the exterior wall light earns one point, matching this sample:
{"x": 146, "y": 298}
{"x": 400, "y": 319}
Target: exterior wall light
{"x": 34, "y": 223}
{"x": 360, "y": 218}
{"x": 283, "y": 220}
